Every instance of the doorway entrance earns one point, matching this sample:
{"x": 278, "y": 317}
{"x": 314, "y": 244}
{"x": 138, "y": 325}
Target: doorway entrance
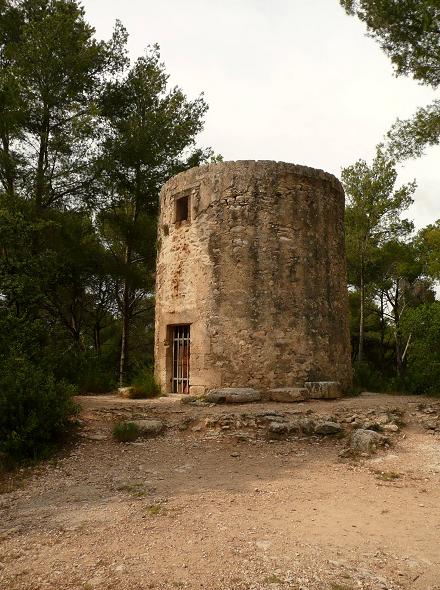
{"x": 181, "y": 358}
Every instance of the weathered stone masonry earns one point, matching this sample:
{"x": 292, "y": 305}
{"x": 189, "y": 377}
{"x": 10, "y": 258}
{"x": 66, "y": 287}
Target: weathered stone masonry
{"x": 258, "y": 273}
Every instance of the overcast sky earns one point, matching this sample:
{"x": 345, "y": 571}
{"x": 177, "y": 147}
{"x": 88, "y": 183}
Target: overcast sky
{"x": 289, "y": 80}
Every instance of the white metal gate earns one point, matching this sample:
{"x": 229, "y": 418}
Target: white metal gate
{"x": 181, "y": 358}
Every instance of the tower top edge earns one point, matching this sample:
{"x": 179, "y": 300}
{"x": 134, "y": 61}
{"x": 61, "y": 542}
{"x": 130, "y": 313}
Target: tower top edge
{"x": 193, "y": 175}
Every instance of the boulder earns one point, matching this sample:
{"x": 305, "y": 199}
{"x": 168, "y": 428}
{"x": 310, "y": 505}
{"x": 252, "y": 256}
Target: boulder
{"x": 149, "y": 428}
{"x": 365, "y": 441}
{"x": 324, "y": 389}
{"x": 289, "y": 394}
{"x": 326, "y": 428}
{"x": 277, "y": 430}
{"x": 232, "y": 395}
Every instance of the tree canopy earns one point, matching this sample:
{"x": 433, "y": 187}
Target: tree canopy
{"x": 86, "y": 140}
{"x": 407, "y": 30}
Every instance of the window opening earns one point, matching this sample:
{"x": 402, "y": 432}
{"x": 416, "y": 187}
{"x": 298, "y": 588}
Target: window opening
{"x": 182, "y": 209}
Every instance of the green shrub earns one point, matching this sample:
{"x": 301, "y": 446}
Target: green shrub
{"x": 125, "y": 431}
{"x": 144, "y": 384}
{"x": 96, "y": 379}
{"x": 365, "y": 376}
{"x": 34, "y": 409}
{"x": 422, "y": 373}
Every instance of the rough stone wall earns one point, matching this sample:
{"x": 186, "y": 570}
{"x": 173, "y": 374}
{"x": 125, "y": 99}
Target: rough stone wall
{"x": 259, "y": 273}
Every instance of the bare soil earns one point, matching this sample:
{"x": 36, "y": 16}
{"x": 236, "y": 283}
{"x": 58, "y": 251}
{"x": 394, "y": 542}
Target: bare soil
{"x": 204, "y": 508}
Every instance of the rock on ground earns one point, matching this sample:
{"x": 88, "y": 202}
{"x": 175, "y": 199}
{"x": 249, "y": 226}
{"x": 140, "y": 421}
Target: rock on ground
{"x": 326, "y": 428}
{"x": 233, "y": 395}
{"x": 365, "y": 441}
{"x": 289, "y": 394}
{"x": 324, "y": 389}
{"x": 149, "y": 427}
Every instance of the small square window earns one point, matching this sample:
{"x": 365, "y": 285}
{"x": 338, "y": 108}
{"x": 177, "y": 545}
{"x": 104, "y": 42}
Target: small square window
{"x": 182, "y": 209}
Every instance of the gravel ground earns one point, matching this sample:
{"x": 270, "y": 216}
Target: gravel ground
{"x": 202, "y": 508}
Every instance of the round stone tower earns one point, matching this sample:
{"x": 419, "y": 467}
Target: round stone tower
{"x": 251, "y": 279}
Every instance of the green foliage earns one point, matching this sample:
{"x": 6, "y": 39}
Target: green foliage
{"x": 422, "y": 325}
{"x": 374, "y": 204}
{"x": 428, "y": 241}
{"x": 34, "y": 409}
{"x": 52, "y": 72}
{"x": 407, "y": 31}
{"x": 125, "y": 432}
{"x": 372, "y": 218}
{"x": 373, "y": 209}
{"x": 367, "y": 377}
{"x": 408, "y": 138}
{"x": 391, "y": 274}
{"x": 85, "y": 143}
{"x": 92, "y": 373}
{"x": 149, "y": 135}
{"x": 144, "y": 384}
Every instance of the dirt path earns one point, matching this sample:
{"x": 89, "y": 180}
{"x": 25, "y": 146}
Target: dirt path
{"x": 197, "y": 509}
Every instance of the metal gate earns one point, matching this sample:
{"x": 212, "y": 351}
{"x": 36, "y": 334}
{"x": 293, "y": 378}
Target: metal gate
{"x": 181, "y": 356}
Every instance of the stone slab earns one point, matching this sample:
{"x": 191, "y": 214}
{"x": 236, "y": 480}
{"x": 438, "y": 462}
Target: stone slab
{"x": 232, "y": 395}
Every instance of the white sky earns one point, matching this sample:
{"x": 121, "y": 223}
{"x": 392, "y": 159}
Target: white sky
{"x": 289, "y": 80}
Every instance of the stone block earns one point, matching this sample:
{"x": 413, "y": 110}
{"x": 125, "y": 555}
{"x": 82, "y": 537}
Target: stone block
{"x": 324, "y": 389}
{"x": 149, "y": 428}
{"x": 289, "y": 394}
{"x": 233, "y": 395}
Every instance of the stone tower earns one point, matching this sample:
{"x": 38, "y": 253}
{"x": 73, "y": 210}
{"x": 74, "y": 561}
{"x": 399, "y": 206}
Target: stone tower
{"x": 251, "y": 279}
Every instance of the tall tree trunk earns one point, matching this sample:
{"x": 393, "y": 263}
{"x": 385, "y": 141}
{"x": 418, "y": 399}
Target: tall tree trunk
{"x": 75, "y": 330}
{"x": 40, "y": 180}
{"x": 382, "y": 331}
{"x": 97, "y": 338}
{"x": 8, "y": 182}
{"x": 125, "y": 337}
{"x": 399, "y": 363}
{"x": 397, "y": 335}
{"x": 126, "y": 304}
{"x": 361, "y": 315}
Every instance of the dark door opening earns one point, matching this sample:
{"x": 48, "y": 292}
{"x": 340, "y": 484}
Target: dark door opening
{"x": 181, "y": 358}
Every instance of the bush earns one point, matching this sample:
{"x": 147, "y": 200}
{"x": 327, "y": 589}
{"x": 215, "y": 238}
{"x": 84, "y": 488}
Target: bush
{"x": 34, "y": 409}
{"x": 144, "y": 384}
{"x": 96, "y": 378}
{"x": 125, "y": 431}
{"x": 422, "y": 373}
{"x": 365, "y": 376}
